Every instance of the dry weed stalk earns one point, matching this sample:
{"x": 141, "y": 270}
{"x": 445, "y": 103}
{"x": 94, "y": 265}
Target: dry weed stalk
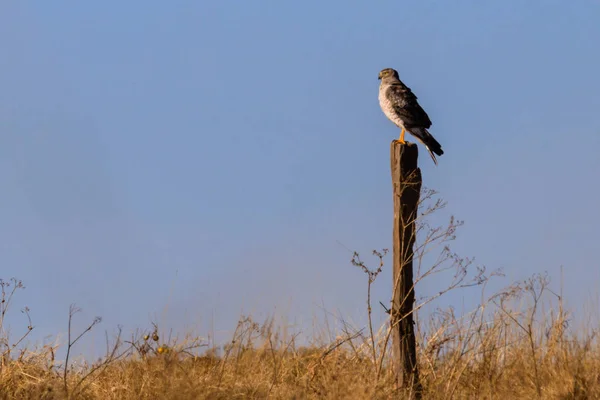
{"x": 427, "y": 240}
{"x": 7, "y": 292}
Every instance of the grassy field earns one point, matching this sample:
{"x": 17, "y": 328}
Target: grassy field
{"x": 517, "y": 345}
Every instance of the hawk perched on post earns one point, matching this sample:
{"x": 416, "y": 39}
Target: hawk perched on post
{"x": 400, "y": 105}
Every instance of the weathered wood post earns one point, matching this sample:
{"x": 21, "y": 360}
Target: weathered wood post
{"x": 406, "y": 182}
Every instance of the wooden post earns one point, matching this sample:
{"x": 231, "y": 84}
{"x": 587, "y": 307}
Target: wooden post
{"x": 406, "y": 181}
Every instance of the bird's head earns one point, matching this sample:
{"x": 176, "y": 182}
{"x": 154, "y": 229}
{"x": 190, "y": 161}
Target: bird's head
{"x": 388, "y": 73}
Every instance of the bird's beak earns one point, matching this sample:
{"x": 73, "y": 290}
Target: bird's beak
{"x": 379, "y": 76}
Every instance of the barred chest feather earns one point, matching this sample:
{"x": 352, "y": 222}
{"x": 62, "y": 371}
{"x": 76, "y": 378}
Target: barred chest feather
{"x": 387, "y": 107}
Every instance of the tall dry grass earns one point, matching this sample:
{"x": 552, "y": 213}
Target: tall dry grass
{"x": 517, "y": 345}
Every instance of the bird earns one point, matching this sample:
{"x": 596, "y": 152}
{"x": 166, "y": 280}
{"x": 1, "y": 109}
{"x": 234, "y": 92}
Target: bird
{"x": 399, "y": 104}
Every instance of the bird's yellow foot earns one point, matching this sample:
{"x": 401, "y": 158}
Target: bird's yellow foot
{"x": 401, "y": 140}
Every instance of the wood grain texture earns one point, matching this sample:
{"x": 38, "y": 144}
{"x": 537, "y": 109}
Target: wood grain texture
{"x": 406, "y": 182}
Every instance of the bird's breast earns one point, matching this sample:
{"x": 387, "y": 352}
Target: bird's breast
{"x": 388, "y": 108}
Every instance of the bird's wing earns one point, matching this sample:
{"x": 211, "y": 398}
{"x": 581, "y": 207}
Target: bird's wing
{"x": 405, "y": 104}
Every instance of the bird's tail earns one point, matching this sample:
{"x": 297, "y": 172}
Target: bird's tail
{"x": 432, "y": 145}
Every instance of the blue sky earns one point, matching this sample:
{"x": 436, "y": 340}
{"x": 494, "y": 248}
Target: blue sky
{"x": 186, "y": 162}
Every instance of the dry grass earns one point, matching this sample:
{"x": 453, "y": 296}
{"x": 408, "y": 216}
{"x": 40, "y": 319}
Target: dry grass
{"x": 517, "y": 344}
{"x": 509, "y": 348}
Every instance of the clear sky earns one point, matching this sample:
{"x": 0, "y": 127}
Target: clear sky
{"x": 189, "y": 161}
